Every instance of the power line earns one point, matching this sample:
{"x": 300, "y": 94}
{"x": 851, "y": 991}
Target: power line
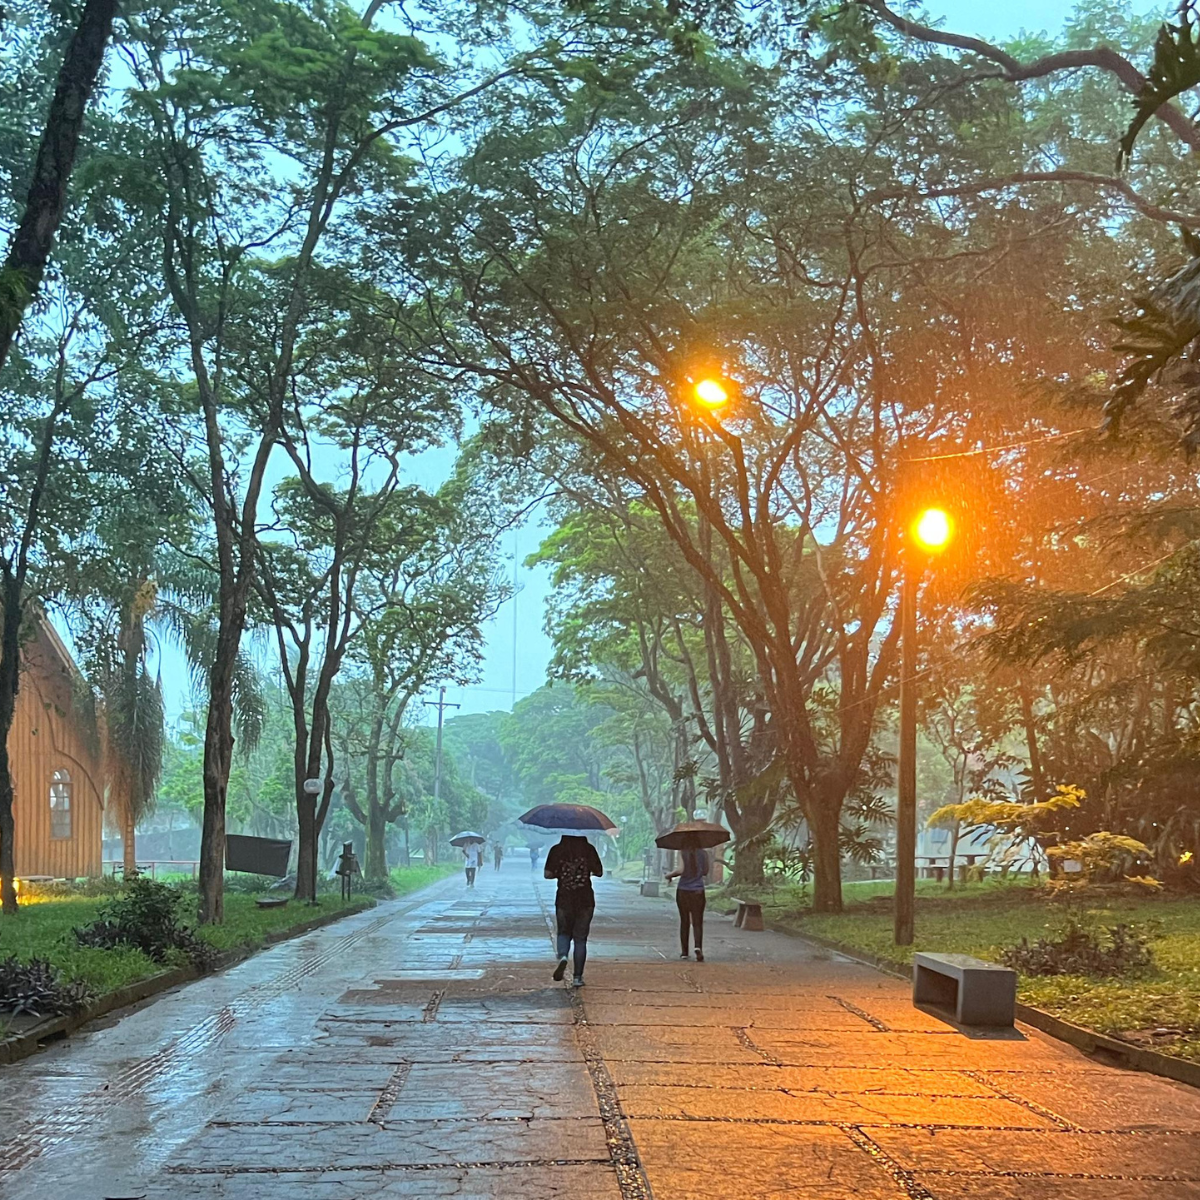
{"x": 1038, "y": 441}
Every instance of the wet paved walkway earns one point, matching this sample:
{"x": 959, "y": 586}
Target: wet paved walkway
{"x": 420, "y": 1049}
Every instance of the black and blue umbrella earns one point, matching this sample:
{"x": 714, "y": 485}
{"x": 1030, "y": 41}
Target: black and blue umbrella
{"x": 568, "y": 818}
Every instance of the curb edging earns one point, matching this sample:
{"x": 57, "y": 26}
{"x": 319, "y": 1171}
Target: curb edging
{"x": 22, "y": 1045}
{"x": 1135, "y": 1058}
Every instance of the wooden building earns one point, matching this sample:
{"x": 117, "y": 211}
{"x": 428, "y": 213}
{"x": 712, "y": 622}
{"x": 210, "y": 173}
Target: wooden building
{"x": 58, "y": 778}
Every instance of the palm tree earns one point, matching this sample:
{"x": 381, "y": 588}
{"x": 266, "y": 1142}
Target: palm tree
{"x": 129, "y": 698}
{"x": 132, "y": 720}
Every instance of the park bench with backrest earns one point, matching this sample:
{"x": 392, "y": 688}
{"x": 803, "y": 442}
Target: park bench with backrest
{"x": 977, "y": 992}
{"x": 749, "y": 916}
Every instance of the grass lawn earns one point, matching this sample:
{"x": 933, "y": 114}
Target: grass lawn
{"x": 985, "y": 918}
{"x": 409, "y": 879}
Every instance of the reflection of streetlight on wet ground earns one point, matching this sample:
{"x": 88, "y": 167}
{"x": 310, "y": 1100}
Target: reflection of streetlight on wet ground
{"x": 927, "y": 536}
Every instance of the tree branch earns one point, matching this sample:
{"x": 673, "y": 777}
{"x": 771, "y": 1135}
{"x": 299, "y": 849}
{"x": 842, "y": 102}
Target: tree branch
{"x": 1091, "y": 179}
{"x": 1103, "y": 58}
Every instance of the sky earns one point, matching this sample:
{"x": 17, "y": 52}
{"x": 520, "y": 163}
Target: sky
{"x": 517, "y": 649}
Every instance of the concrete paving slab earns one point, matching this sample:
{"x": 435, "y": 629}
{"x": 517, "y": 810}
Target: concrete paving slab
{"x": 827, "y": 1080}
{"x": 1132, "y": 1102}
{"x": 401, "y": 1143}
{"x": 718, "y": 1103}
{"x": 978, "y": 1187}
{"x": 759, "y": 1162}
{"x": 590, "y": 1182}
{"x": 1135, "y": 1156}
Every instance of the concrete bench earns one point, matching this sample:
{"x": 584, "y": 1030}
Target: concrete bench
{"x": 977, "y": 992}
{"x": 749, "y": 916}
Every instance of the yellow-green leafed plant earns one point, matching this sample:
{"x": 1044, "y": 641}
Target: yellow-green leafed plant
{"x": 1099, "y": 852}
{"x": 1010, "y": 815}
{"x": 1015, "y": 844}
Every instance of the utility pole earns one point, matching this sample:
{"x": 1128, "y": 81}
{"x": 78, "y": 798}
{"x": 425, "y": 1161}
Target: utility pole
{"x": 441, "y": 705}
{"x": 516, "y": 589}
{"x": 906, "y": 783}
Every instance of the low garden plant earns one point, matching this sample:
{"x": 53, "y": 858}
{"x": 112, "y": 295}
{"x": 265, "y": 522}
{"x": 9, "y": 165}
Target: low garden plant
{"x": 38, "y": 989}
{"x": 1107, "y": 951}
{"x": 148, "y": 917}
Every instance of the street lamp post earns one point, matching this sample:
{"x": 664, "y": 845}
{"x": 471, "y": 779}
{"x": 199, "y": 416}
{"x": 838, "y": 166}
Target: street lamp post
{"x": 928, "y": 535}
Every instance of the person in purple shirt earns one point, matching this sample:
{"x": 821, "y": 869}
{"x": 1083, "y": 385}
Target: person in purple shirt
{"x": 690, "y": 899}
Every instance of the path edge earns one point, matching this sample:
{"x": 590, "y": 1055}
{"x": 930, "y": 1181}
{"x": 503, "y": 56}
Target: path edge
{"x": 1135, "y": 1058}
{"x": 30, "y": 1041}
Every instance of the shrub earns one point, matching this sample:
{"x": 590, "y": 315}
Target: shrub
{"x": 1077, "y": 950}
{"x": 99, "y": 885}
{"x": 148, "y": 918}
{"x": 36, "y": 989}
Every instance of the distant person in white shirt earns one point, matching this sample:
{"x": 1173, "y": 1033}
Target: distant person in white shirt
{"x": 474, "y": 860}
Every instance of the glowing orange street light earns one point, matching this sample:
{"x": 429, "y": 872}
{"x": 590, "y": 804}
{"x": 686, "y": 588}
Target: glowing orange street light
{"x": 711, "y": 393}
{"x": 933, "y": 530}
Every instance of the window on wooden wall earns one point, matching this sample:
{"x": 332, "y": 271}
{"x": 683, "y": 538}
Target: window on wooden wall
{"x": 60, "y": 805}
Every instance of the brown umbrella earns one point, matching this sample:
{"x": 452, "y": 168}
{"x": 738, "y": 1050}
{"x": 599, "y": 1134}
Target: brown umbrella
{"x": 693, "y": 835}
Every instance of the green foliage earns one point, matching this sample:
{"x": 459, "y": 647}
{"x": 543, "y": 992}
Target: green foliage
{"x": 147, "y": 917}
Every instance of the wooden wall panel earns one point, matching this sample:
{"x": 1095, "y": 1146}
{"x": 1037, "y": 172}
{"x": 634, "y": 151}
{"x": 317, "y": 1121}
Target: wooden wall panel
{"x": 49, "y": 734}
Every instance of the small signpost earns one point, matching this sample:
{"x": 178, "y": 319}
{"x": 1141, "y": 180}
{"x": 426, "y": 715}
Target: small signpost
{"x": 347, "y": 869}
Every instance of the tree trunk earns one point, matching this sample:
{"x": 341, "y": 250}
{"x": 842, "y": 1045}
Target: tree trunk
{"x": 748, "y": 866}
{"x": 953, "y": 854}
{"x": 128, "y": 837}
{"x": 376, "y": 854}
{"x": 218, "y": 758}
{"x": 10, "y": 679}
{"x": 29, "y": 251}
{"x": 824, "y": 822}
{"x": 306, "y": 840}
{"x": 1036, "y": 775}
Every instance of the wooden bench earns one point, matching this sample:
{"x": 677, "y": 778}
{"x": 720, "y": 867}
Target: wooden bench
{"x": 271, "y": 901}
{"x": 977, "y": 992}
{"x": 749, "y": 916}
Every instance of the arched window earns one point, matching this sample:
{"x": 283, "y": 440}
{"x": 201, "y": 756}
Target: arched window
{"x": 60, "y": 805}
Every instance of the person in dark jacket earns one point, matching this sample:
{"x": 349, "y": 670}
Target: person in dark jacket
{"x": 690, "y": 899}
{"x": 573, "y": 862}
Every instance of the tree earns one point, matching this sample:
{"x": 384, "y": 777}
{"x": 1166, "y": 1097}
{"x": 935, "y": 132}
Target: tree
{"x": 64, "y": 410}
{"x": 33, "y": 241}
{"x": 353, "y": 394}
{"x": 421, "y": 604}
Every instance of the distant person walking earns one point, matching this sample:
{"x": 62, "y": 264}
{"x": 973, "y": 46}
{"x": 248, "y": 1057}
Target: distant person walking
{"x": 690, "y": 899}
{"x": 497, "y": 854}
{"x": 573, "y": 862}
{"x": 474, "y": 860}
{"x": 533, "y": 858}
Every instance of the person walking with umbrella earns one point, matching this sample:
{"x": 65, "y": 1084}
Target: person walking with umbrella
{"x": 572, "y": 862}
{"x": 470, "y": 844}
{"x": 691, "y": 838}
